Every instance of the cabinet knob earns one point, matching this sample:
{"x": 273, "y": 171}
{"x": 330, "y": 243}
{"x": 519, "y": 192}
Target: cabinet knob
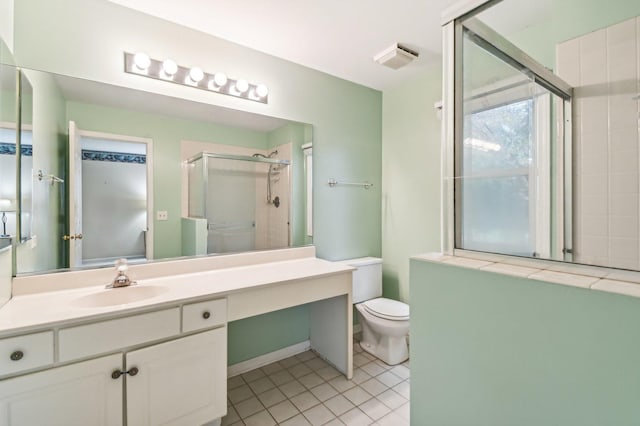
{"x": 133, "y": 371}
{"x": 16, "y": 356}
{"x": 206, "y": 315}
{"x": 116, "y": 374}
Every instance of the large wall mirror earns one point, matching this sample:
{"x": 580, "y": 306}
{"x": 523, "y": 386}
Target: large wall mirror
{"x": 110, "y": 172}
{"x": 8, "y": 136}
{"x": 544, "y": 149}
{"x": 16, "y": 156}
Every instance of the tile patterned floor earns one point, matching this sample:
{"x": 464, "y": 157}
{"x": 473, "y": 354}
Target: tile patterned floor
{"x": 304, "y": 390}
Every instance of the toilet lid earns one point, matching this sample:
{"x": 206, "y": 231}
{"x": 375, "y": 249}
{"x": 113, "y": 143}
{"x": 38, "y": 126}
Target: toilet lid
{"x": 387, "y": 309}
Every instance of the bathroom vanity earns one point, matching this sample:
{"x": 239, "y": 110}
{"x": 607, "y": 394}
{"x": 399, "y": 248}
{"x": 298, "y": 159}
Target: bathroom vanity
{"x": 155, "y": 352}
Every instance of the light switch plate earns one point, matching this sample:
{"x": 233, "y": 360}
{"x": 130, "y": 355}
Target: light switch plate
{"x": 162, "y": 215}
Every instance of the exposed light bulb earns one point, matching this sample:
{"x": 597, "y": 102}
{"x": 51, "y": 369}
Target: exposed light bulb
{"x": 220, "y": 79}
{"x": 169, "y": 67}
{"x": 262, "y": 90}
{"x": 142, "y": 61}
{"x": 242, "y": 86}
{"x": 196, "y": 74}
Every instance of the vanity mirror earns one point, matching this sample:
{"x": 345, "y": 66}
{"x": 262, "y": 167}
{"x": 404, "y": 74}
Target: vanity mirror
{"x": 110, "y": 176}
{"x": 542, "y": 155}
{"x": 8, "y": 136}
{"x": 16, "y": 113}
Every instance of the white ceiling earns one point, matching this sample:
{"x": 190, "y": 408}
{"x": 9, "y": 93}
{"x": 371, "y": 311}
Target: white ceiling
{"x": 339, "y": 37}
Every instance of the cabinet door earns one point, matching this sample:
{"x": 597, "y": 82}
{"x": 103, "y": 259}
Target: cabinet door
{"x": 182, "y": 382}
{"x": 74, "y": 395}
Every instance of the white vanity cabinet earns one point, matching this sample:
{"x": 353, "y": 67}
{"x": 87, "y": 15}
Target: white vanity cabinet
{"x": 163, "y": 376}
{"x": 181, "y": 382}
{"x": 168, "y": 353}
{"x": 73, "y": 395}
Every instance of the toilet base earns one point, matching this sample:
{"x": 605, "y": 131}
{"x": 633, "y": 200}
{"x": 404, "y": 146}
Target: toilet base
{"x": 384, "y": 339}
{"x": 392, "y": 352}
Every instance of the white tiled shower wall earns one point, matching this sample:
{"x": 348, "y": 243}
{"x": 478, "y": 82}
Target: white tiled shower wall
{"x": 604, "y": 69}
{"x": 272, "y": 223}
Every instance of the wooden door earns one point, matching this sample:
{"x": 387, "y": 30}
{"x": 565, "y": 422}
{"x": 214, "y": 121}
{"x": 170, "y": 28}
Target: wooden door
{"x": 75, "y": 196}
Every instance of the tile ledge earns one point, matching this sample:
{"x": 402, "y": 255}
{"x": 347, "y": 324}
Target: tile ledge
{"x": 603, "y": 279}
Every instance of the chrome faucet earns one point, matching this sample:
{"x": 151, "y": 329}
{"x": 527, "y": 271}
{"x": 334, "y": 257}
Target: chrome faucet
{"x": 121, "y": 280}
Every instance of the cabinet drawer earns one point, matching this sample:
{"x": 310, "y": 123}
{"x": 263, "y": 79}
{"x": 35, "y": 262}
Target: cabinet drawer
{"x": 26, "y": 352}
{"x": 197, "y": 316}
{"x": 106, "y": 336}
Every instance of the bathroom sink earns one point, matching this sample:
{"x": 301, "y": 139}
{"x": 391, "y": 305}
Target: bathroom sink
{"x": 118, "y": 296}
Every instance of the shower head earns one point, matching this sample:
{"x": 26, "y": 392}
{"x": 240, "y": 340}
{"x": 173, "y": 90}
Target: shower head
{"x": 269, "y": 173}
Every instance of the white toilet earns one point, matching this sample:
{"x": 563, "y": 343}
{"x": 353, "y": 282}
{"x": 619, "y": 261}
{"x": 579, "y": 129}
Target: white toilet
{"x": 385, "y": 322}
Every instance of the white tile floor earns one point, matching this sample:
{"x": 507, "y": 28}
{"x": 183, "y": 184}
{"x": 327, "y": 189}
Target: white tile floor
{"x": 304, "y": 390}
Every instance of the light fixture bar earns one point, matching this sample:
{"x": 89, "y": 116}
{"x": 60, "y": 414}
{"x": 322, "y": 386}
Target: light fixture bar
{"x": 168, "y": 70}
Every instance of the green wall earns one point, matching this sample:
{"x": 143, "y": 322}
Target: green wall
{"x": 254, "y": 336}
{"x": 294, "y": 133}
{"x": 6, "y": 31}
{"x": 410, "y": 177}
{"x": 44, "y": 250}
{"x": 8, "y": 99}
{"x": 499, "y": 350}
{"x": 5, "y": 54}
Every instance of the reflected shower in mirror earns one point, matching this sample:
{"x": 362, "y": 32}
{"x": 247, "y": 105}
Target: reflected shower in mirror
{"x": 243, "y": 200}
{"x": 87, "y": 221}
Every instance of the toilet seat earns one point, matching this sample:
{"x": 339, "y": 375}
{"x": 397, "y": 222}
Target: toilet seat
{"x": 387, "y": 309}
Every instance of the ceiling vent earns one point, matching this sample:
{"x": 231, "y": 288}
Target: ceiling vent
{"x": 396, "y": 56}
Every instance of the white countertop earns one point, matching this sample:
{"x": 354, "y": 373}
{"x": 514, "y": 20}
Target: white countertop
{"x": 31, "y": 312}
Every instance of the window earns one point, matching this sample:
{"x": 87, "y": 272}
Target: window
{"x": 499, "y": 184}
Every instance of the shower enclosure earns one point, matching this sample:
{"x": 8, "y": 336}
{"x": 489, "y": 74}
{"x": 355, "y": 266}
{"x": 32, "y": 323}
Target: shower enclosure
{"x": 245, "y": 200}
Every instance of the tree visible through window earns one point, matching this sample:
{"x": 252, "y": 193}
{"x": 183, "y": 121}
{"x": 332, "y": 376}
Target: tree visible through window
{"x": 498, "y": 152}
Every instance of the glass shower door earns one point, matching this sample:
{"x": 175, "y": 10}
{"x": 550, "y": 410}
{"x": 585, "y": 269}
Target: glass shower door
{"x": 231, "y": 205}
{"x": 504, "y": 155}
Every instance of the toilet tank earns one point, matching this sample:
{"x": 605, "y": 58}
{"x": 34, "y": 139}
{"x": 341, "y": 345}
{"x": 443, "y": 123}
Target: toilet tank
{"x": 367, "y": 279}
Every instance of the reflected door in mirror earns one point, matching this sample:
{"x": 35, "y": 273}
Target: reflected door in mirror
{"x": 110, "y": 212}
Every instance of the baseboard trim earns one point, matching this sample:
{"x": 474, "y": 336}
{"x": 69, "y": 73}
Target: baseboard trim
{"x": 266, "y": 359}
